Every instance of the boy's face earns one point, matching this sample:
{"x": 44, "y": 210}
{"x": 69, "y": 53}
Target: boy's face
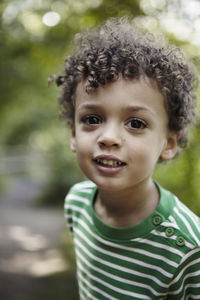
{"x": 120, "y": 132}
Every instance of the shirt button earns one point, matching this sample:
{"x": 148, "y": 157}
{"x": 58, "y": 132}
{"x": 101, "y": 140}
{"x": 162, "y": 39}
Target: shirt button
{"x": 169, "y": 231}
{"x": 157, "y": 220}
{"x": 180, "y": 241}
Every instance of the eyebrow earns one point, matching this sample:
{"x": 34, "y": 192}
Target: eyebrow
{"x": 140, "y": 109}
{"x": 91, "y": 106}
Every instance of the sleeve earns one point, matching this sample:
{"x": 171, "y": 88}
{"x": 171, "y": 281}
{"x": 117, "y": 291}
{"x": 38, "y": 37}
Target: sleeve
{"x": 186, "y": 282}
{"x": 68, "y": 210}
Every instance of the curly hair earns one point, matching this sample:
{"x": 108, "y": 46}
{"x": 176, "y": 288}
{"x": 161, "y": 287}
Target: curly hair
{"x": 117, "y": 49}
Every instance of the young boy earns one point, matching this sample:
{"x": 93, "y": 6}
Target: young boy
{"x": 129, "y": 102}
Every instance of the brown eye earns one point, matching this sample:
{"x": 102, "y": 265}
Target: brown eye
{"x": 136, "y": 123}
{"x": 91, "y": 120}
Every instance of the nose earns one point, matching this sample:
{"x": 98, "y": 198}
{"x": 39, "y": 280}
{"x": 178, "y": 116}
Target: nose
{"x": 110, "y": 137}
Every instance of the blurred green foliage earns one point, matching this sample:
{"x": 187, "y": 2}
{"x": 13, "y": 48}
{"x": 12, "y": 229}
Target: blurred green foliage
{"x": 30, "y": 52}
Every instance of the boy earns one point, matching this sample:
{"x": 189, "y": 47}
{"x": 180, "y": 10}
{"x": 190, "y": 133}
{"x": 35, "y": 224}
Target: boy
{"x": 129, "y": 103}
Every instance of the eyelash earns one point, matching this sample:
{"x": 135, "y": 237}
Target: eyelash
{"x": 92, "y": 120}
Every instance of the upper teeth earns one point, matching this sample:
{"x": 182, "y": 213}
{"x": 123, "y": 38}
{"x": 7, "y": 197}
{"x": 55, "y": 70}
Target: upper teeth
{"x": 110, "y": 162}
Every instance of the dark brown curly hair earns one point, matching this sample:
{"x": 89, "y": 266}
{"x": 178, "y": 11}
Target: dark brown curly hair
{"x": 117, "y": 49}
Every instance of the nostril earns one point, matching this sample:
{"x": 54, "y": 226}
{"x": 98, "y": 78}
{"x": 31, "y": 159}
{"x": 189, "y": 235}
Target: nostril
{"x": 108, "y": 144}
{"x": 102, "y": 145}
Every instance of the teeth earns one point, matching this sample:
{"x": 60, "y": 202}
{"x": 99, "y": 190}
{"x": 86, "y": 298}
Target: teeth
{"x": 110, "y": 163}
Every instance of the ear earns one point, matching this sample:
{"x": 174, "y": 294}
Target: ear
{"x": 171, "y": 147}
{"x": 73, "y": 138}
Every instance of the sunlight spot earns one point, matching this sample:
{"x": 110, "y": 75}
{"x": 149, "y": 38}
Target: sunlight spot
{"x": 180, "y": 28}
{"x": 159, "y": 4}
{"x": 32, "y": 22}
{"x": 51, "y": 18}
{"x": 60, "y": 6}
{"x": 191, "y": 9}
{"x": 10, "y": 13}
{"x": 197, "y": 25}
{"x": 195, "y": 38}
{"x": 27, "y": 240}
{"x": 94, "y": 3}
{"x": 52, "y": 263}
{"x": 35, "y": 264}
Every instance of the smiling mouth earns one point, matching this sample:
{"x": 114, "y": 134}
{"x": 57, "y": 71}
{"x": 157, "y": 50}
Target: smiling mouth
{"x": 109, "y": 162}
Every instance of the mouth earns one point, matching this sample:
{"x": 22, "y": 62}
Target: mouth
{"x": 108, "y": 162}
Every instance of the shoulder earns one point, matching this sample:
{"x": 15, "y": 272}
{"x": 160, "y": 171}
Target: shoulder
{"x": 185, "y": 222}
{"x": 80, "y": 193}
{"x": 82, "y": 188}
{"x": 178, "y": 226}
{"x": 78, "y": 202}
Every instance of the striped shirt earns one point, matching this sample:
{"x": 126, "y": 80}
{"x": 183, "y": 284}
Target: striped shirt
{"x": 159, "y": 258}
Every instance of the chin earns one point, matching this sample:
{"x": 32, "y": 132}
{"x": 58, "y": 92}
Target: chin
{"x": 108, "y": 185}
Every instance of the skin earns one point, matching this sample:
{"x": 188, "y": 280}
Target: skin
{"x": 119, "y": 133}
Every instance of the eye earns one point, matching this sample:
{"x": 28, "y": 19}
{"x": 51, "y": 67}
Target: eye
{"x": 91, "y": 120}
{"x": 136, "y": 123}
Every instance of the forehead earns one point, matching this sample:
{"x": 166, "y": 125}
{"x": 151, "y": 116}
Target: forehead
{"x": 141, "y": 92}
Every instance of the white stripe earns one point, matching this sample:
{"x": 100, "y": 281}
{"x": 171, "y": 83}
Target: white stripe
{"x": 156, "y": 256}
{"x": 82, "y": 211}
{"x": 187, "y": 211}
{"x": 122, "y": 257}
{"x": 83, "y": 185}
{"x": 68, "y": 216}
{"x": 194, "y": 218}
{"x": 117, "y": 267}
{"x": 187, "y": 225}
{"x": 83, "y": 279}
{"x": 117, "y": 278}
{"x": 82, "y": 288}
{"x": 76, "y": 198}
{"x": 158, "y": 245}
{"x": 86, "y": 191}
{"x": 194, "y": 251}
{"x": 193, "y": 285}
{"x": 172, "y": 220}
{"x": 190, "y": 296}
{"x": 108, "y": 285}
{"x": 170, "y": 224}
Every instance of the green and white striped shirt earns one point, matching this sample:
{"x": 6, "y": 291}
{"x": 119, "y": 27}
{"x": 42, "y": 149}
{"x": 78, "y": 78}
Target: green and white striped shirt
{"x": 158, "y": 258}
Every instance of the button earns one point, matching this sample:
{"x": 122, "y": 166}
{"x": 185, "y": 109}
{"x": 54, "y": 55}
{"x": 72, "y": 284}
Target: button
{"x": 157, "y": 220}
{"x": 180, "y": 241}
{"x": 169, "y": 231}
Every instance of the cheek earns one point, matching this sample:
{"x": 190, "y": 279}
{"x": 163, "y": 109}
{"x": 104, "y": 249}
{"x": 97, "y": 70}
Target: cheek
{"x": 145, "y": 153}
{"x": 84, "y": 158}
{"x": 83, "y": 149}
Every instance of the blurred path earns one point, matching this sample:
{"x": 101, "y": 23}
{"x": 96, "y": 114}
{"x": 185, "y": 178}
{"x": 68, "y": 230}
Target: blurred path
{"x": 30, "y": 238}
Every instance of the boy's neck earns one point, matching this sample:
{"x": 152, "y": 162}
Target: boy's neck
{"x": 129, "y": 208}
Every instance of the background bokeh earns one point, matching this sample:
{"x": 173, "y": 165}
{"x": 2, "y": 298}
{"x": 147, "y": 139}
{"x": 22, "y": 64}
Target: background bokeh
{"x": 36, "y": 165}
